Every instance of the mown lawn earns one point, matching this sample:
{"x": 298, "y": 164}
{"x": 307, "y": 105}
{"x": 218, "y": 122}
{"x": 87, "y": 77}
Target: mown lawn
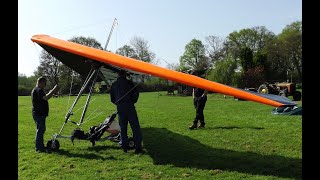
{"x": 242, "y": 139}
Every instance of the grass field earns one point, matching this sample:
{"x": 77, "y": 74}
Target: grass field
{"x": 241, "y": 140}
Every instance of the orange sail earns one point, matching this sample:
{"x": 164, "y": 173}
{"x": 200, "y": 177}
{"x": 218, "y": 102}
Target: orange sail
{"x": 66, "y": 49}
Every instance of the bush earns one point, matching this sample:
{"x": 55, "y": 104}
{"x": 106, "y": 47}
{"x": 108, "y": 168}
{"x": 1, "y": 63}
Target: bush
{"x": 23, "y": 91}
{"x": 299, "y": 86}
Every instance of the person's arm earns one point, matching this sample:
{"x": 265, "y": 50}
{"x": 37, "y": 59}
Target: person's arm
{"x": 112, "y": 98}
{"x": 193, "y": 93}
{"x": 51, "y": 92}
{"x": 205, "y": 93}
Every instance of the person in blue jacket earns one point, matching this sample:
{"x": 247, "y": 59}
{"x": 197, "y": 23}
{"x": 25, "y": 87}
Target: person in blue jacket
{"x": 124, "y": 95}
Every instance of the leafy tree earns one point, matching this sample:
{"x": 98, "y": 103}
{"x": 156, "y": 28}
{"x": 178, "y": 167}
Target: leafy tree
{"x": 70, "y": 81}
{"x": 141, "y": 48}
{"x": 58, "y": 73}
{"x": 224, "y": 71}
{"x": 173, "y": 66}
{"x": 127, "y": 51}
{"x": 255, "y": 38}
{"x": 215, "y": 48}
{"x": 285, "y": 52}
{"x": 154, "y": 84}
{"x": 260, "y": 59}
{"x": 291, "y": 36}
{"x": 25, "y": 84}
{"x": 246, "y": 58}
{"x": 73, "y": 77}
{"x": 25, "y": 81}
{"x": 294, "y": 53}
{"x": 49, "y": 68}
{"x": 194, "y": 57}
{"x": 296, "y": 26}
{"x": 87, "y": 41}
{"x": 252, "y": 77}
{"x": 276, "y": 60}
{"x": 253, "y": 67}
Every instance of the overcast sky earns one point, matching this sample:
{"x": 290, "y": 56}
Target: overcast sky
{"x": 167, "y": 25}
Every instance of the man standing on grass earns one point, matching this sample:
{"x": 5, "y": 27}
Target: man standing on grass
{"x": 199, "y": 102}
{"x": 40, "y": 110}
{"x": 124, "y": 94}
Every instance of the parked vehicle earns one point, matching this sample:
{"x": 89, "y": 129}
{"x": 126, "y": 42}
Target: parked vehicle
{"x": 281, "y": 89}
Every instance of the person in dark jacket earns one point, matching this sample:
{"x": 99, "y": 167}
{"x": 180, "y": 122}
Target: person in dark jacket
{"x": 199, "y": 101}
{"x": 124, "y": 94}
{"x": 40, "y": 110}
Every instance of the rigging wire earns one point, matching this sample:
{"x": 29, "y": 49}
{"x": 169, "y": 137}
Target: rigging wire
{"x": 81, "y": 27}
{"x": 88, "y": 119}
{"x": 36, "y": 47}
{"x": 72, "y": 75}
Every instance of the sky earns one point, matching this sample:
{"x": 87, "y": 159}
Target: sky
{"x": 167, "y": 25}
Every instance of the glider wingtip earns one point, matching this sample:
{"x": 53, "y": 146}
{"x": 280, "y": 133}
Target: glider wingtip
{"x": 38, "y": 36}
{"x": 288, "y": 105}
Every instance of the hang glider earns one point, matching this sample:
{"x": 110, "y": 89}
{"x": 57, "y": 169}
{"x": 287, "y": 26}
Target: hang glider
{"x": 81, "y": 58}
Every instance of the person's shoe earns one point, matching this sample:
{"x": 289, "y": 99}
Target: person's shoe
{"x": 193, "y": 126}
{"x": 44, "y": 150}
{"x": 125, "y": 149}
{"x": 40, "y": 150}
{"x": 201, "y": 126}
{"x": 139, "y": 151}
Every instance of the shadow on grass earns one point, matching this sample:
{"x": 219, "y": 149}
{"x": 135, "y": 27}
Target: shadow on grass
{"x": 166, "y": 147}
{"x": 86, "y": 155}
{"x": 103, "y": 147}
{"x": 234, "y": 127}
{"x": 79, "y": 155}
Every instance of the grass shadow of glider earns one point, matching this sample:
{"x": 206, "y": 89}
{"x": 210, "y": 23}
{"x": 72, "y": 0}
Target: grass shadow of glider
{"x": 166, "y": 147}
{"x": 93, "y": 155}
{"x": 235, "y": 127}
{"x": 79, "y": 155}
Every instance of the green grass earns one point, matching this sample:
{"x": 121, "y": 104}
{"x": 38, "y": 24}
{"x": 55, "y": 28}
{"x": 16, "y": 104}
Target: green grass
{"x": 242, "y": 139}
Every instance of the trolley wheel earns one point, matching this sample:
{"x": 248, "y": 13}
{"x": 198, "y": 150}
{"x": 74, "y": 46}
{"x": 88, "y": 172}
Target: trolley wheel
{"x": 131, "y": 143}
{"x": 263, "y": 89}
{"x": 53, "y": 145}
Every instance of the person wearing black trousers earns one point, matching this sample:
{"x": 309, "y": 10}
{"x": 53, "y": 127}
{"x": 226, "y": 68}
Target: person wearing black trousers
{"x": 124, "y": 95}
{"x": 199, "y": 102}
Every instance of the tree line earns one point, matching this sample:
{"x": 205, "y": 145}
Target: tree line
{"x": 245, "y": 58}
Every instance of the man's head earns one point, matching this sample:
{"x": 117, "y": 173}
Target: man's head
{"x": 122, "y": 73}
{"x": 41, "y": 82}
{"x": 198, "y": 73}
